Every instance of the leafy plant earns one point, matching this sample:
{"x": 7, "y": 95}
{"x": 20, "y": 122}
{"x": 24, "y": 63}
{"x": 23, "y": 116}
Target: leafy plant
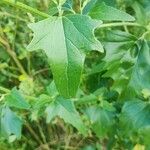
{"x": 76, "y": 75}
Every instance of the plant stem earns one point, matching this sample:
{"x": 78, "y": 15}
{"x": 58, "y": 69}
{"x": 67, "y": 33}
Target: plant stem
{"x": 25, "y": 7}
{"x": 115, "y": 24}
{"x": 13, "y": 56}
{"x": 33, "y": 133}
{"x": 41, "y": 71}
{"x": 4, "y": 89}
{"x": 88, "y": 99}
{"x": 41, "y": 132}
{"x": 144, "y": 34}
{"x": 9, "y": 74}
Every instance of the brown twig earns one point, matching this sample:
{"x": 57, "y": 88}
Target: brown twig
{"x": 33, "y": 134}
{"x": 13, "y": 55}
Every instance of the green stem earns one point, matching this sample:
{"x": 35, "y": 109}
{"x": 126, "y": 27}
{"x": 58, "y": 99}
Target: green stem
{"x": 25, "y": 7}
{"x": 144, "y": 34}
{"x": 85, "y": 100}
{"x": 9, "y": 74}
{"x": 115, "y": 24}
{"x": 41, "y": 132}
{"x": 4, "y": 89}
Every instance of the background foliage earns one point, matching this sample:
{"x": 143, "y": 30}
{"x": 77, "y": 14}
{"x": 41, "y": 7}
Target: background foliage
{"x": 102, "y": 101}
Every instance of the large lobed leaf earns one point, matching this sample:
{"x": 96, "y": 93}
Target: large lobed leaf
{"x": 66, "y": 41}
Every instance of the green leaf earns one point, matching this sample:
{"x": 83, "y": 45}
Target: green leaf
{"x": 140, "y": 13}
{"x": 108, "y": 13}
{"x": 145, "y": 135}
{"x": 39, "y": 106}
{"x": 127, "y": 63}
{"x": 68, "y": 5}
{"x": 135, "y": 115}
{"x": 51, "y": 89}
{"x": 3, "y": 55}
{"x": 66, "y": 41}
{"x": 16, "y": 99}
{"x": 89, "y": 6}
{"x": 65, "y": 109}
{"x": 140, "y": 78}
{"x": 10, "y": 124}
{"x": 130, "y": 73}
{"x": 102, "y": 120}
{"x": 119, "y": 36}
{"x": 119, "y": 63}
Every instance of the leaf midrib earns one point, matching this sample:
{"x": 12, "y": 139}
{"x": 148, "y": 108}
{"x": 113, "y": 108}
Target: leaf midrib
{"x": 67, "y": 55}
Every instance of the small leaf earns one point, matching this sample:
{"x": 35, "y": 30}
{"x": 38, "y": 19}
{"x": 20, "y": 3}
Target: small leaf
{"x": 39, "y": 106}
{"x": 16, "y": 99}
{"x": 65, "y": 109}
{"x": 66, "y": 41}
{"x": 89, "y": 6}
{"x": 102, "y": 120}
{"x": 67, "y": 6}
{"x": 118, "y": 63}
{"x": 135, "y": 115}
{"x": 10, "y": 124}
{"x": 51, "y": 89}
{"x": 140, "y": 76}
{"x": 108, "y": 13}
